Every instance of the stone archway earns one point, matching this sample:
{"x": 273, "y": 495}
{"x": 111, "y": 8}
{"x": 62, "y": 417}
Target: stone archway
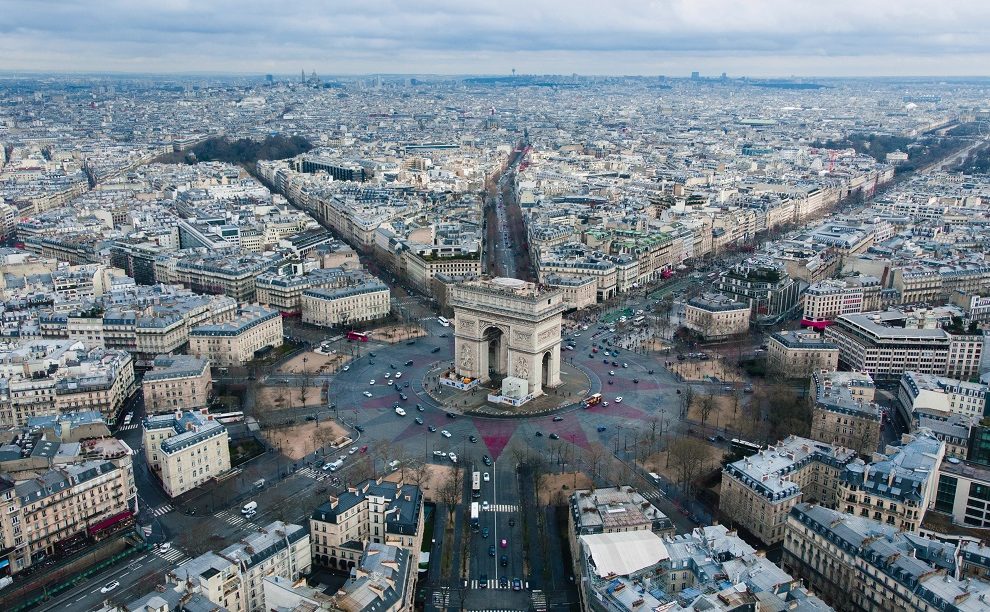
{"x": 507, "y": 327}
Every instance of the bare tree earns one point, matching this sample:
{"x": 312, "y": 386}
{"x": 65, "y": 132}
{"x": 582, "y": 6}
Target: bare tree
{"x": 451, "y": 491}
{"x": 705, "y": 407}
{"x": 688, "y": 395}
{"x": 596, "y": 457}
{"x": 688, "y": 456}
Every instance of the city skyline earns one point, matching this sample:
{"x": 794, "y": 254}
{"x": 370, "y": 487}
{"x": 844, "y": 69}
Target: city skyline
{"x": 675, "y": 38}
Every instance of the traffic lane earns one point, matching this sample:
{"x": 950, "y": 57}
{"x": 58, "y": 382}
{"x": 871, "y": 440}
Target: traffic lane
{"x": 87, "y": 596}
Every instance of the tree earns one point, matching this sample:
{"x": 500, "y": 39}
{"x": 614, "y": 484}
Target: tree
{"x": 451, "y": 492}
{"x": 688, "y": 456}
{"x": 707, "y": 404}
{"x": 688, "y": 399}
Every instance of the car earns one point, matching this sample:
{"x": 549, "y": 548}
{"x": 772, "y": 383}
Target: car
{"x": 403, "y": 396}
{"x": 606, "y": 353}
{"x": 748, "y": 389}
{"x": 484, "y": 505}
{"x": 503, "y": 543}
{"x": 650, "y": 372}
{"x": 353, "y": 450}
{"x": 604, "y": 360}
{"x": 486, "y": 460}
{"x": 310, "y": 417}
{"x": 504, "y": 560}
{"x": 625, "y": 365}
{"x": 439, "y": 453}
{"x": 164, "y": 546}
{"x": 392, "y": 366}
{"x": 372, "y": 381}
{"x": 443, "y": 335}
{"x": 484, "y": 532}
{"x": 435, "y": 349}
{"x": 445, "y": 433}
{"x": 364, "y": 448}
{"x": 113, "y": 584}
{"x": 554, "y": 436}
{"x": 418, "y": 420}
{"x": 372, "y": 362}
{"x": 618, "y": 399}
{"x": 346, "y": 368}
{"x": 615, "y": 364}
{"x": 539, "y": 434}
{"x": 558, "y": 419}
{"x": 487, "y": 477}
{"x": 398, "y": 374}
{"x": 611, "y": 382}
{"x": 359, "y": 428}
{"x": 604, "y": 403}
{"x": 451, "y": 415}
{"x": 409, "y": 363}
{"x": 472, "y": 438}
{"x": 411, "y": 342}
{"x": 711, "y": 438}
{"x": 431, "y": 428}
{"x": 601, "y": 428}
{"x": 512, "y": 522}
{"x": 420, "y": 408}
{"x": 635, "y": 380}
{"x": 491, "y": 550}
{"x": 372, "y": 355}
{"x": 611, "y": 372}
{"x": 516, "y": 584}
{"x": 367, "y": 394}
{"x": 590, "y": 356}
{"x": 406, "y": 384}
{"x": 388, "y": 375}
{"x": 482, "y": 581}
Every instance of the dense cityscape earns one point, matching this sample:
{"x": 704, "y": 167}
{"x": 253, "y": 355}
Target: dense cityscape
{"x": 299, "y": 343}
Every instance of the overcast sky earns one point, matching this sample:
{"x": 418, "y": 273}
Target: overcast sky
{"x": 671, "y": 37}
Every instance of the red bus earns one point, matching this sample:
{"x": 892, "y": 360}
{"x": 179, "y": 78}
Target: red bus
{"x": 593, "y": 400}
{"x": 359, "y": 336}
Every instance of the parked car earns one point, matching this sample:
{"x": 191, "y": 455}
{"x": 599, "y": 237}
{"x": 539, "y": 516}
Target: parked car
{"x": 558, "y": 419}
{"x": 487, "y": 477}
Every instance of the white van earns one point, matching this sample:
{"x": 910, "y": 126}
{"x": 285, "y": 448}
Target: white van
{"x": 249, "y": 507}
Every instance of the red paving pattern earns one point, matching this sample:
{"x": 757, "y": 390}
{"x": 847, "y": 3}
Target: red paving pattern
{"x": 495, "y": 434}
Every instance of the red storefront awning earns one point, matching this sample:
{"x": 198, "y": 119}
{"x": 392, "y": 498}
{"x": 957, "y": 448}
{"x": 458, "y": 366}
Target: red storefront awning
{"x": 110, "y": 522}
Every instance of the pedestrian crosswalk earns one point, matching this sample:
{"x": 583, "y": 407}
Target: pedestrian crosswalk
{"x": 502, "y": 508}
{"x": 162, "y": 510}
{"x": 539, "y": 599}
{"x": 491, "y": 583}
{"x": 172, "y": 555}
{"x": 230, "y": 518}
{"x": 313, "y": 473}
{"x": 128, "y": 427}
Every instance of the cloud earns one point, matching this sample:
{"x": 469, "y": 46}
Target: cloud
{"x": 467, "y": 36}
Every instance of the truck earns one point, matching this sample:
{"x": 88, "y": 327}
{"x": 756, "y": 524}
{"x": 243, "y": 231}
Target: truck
{"x": 334, "y": 465}
{"x": 259, "y": 484}
{"x": 250, "y": 507}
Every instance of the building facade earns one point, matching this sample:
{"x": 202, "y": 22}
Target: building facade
{"x": 714, "y": 316}
{"x": 177, "y": 382}
{"x": 236, "y": 342}
{"x": 185, "y": 449}
{"x": 844, "y": 413}
{"x": 799, "y": 354}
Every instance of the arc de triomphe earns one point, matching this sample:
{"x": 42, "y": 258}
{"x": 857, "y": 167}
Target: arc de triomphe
{"x": 507, "y": 327}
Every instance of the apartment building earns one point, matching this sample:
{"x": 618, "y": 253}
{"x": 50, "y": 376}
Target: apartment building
{"x": 383, "y": 581}
{"x": 939, "y": 396}
{"x": 85, "y": 500}
{"x": 366, "y": 301}
{"x": 177, "y": 382}
{"x": 422, "y": 265}
{"x": 799, "y": 354}
{"x": 283, "y": 288}
{"x": 898, "y": 486}
{"x": 616, "y": 509}
{"x": 377, "y": 512}
{"x": 758, "y": 491}
{"x": 715, "y": 316}
{"x": 886, "y": 344}
{"x": 235, "y": 342}
{"x": 234, "y": 578}
{"x": 826, "y": 300}
{"x": 918, "y": 285}
{"x": 963, "y": 492}
{"x": 710, "y": 568}
{"x": 844, "y": 413}
{"x": 579, "y": 293}
{"x": 765, "y": 285}
{"x": 185, "y": 449}
{"x": 230, "y": 272}
{"x": 858, "y": 564}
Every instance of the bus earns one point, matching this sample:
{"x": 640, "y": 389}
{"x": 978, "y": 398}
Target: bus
{"x": 593, "y": 400}
{"x": 639, "y": 320}
{"x": 443, "y": 321}
{"x": 475, "y": 522}
{"x": 476, "y": 485}
{"x": 744, "y": 448}
{"x": 356, "y": 335}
